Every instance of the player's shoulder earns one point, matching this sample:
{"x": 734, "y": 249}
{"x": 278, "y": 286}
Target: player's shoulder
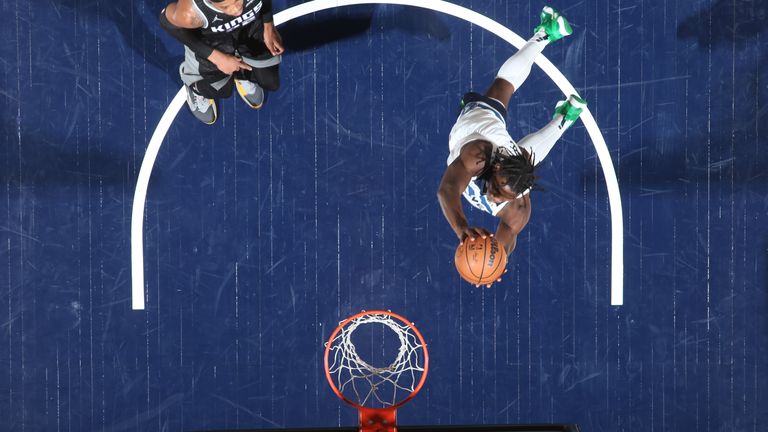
{"x": 185, "y": 14}
{"x": 475, "y": 154}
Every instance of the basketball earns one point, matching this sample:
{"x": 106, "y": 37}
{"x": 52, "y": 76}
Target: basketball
{"x": 481, "y": 261}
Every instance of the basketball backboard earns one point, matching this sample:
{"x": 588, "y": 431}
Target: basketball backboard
{"x": 451, "y": 428}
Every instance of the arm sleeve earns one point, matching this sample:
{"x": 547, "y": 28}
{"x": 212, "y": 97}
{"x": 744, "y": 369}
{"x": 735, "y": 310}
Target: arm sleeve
{"x": 188, "y": 37}
{"x": 266, "y": 11}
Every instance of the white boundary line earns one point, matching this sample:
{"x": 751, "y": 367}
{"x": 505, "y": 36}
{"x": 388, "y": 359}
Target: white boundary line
{"x": 140, "y": 197}
{"x": 614, "y": 198}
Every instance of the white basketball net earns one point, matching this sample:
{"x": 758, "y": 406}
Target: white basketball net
{"x": 369, "y": 385}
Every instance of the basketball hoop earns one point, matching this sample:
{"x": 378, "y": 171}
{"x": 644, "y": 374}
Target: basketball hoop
{"x": 376, "y": 391}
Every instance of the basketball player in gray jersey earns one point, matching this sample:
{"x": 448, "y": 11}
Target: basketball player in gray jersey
{"x": 227, "y": 44}
{"x": 493, "y": 172}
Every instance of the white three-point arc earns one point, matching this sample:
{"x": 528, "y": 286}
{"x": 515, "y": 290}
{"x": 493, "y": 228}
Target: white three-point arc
{"x": 614, "y": 199}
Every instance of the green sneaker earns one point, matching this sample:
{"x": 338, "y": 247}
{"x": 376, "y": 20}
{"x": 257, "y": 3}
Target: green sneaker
{"x": 570, "y": 109}
{"x": 555, "y": 25}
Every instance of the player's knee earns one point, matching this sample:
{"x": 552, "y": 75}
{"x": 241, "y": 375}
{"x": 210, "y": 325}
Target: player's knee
{"x": 268, "y": 78}
{"x": 206, "y": 90}
{"x": 270, "y": 82}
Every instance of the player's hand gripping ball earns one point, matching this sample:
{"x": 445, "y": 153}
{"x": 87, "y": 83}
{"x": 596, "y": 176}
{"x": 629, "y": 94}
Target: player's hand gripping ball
{"x": 481, "y": 261}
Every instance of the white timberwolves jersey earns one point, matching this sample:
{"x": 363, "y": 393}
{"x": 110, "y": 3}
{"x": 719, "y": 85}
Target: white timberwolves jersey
{"x": 478, "y": 121}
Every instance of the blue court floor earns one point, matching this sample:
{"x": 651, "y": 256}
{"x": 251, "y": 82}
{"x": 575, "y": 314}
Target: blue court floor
{"x": 263, "y": 231}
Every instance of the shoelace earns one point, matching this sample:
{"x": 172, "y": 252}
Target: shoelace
{"x": 201, "y": 102}
{"x": 248, "y": 86}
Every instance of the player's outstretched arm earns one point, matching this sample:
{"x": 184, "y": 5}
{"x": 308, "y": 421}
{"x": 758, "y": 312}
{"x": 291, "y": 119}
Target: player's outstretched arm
{"x": 514, "y": 217}
{"x": 455, "y": 179}
{"x": 506, "y": 236}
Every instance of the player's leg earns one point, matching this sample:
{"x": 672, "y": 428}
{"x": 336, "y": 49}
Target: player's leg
{"x": 541, "y": 142}
{"x": 202, "y": 95}
{"x": 516, "y": 69}
{"x": 203, "y": 87}
{"x": 264, "y": 75}
{"x": 267, "y": 78}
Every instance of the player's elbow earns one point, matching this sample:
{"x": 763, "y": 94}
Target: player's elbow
{"x": 440, "y": 198}
{"x": 443, "y": 192}
{"x": 447, "y": 187}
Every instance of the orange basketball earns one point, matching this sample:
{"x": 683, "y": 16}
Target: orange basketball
{"x": 481, "y": 261}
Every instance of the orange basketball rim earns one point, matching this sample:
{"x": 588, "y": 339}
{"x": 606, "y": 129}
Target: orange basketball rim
{"x": 376, "y": 392}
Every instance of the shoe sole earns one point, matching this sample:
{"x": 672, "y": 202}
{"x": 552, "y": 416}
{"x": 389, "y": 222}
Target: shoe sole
{"x": 563, "y": 27}
{"x": 215, "y": 113}
{"x": 241, "y": 93}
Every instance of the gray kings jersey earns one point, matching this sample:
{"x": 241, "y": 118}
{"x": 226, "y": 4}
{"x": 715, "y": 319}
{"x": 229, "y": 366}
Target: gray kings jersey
{"x": 217, "y": 22}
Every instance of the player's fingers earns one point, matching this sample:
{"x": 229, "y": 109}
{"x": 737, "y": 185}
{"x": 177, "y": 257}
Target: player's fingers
{"x": 241, "y": 65}
{"x": 274, "y": 47}
{"x": 479, "y": 232}
{"x": 279, "y": 47}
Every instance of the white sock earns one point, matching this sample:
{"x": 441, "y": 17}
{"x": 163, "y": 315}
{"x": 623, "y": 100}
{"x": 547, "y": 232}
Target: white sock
{"x": 541, "y": 142}
{"x": 517, "y": 68}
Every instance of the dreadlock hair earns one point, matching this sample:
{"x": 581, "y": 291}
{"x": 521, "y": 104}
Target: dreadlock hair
{"x": 517, "y": 167}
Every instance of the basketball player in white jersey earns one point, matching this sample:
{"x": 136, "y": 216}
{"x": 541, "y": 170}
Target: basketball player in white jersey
{"x": 228, "y": 44}
{"x": 493, "y": 172}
